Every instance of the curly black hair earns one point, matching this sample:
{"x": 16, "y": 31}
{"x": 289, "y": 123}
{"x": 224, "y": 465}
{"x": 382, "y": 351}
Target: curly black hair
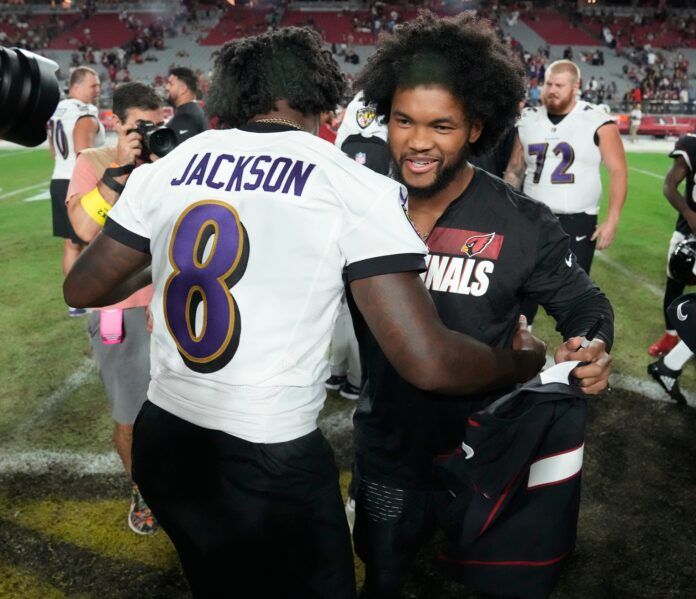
{"x": 251, "y": 74}
{"x": 462, "y": 54}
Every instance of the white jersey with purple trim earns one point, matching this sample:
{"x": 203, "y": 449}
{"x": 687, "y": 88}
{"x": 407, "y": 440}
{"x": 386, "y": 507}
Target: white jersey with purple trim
{"x": 252, "y": 233}
{"x": 563, "y": 159}
{"x": 61, "y": 128}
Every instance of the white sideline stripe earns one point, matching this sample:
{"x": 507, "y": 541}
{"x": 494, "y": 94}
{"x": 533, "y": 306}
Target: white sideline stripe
{"x": 647, "y": 388}
{"x": 86, "y": 464}
{"x": 42, "y": 462}
{"x": 9, "y": 194}
{"x": 629, "y": 273}
{"x": 556, "y": 468}
{"x": 74, "y": 381}
{"x": 44, "y": 194}
{"x": 649, "y": 173}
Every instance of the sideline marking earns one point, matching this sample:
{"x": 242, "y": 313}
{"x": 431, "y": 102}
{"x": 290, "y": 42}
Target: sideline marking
{"x": 9, "y": 194}
{"x": 629, "y": 273}
{"x": 42, "y": 462}
{"x": 44, "y": 194}
{"x": 73, "y": 382}
{"x": 89, "y": 464}
{"x": 640, "y": 170}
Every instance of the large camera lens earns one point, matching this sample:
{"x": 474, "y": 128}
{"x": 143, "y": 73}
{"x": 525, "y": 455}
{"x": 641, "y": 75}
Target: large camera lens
{"x": 28, "y": 95}
{"x": 162, "y": 141}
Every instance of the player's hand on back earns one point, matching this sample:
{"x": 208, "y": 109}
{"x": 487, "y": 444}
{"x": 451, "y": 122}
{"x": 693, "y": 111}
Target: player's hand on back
{"x": 533, "y": 348}
{"x": 594, "y": 377}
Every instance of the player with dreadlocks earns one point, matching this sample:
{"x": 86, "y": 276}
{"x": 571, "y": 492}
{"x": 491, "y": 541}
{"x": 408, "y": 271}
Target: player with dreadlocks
{"x": 250, "y": 232}
{"x": 449, "y": 89}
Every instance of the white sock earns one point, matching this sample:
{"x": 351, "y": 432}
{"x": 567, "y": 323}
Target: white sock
{"x": 679, "y": 356}
{"x": 671, "y": 333}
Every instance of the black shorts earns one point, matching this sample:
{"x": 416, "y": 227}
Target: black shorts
{"x": 61, "y": 222}
{"x": 580, "y": 227}
{"x": 247, "y": 519}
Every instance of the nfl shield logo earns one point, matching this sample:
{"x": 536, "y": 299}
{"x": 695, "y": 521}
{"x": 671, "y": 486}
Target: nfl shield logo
{"x": 361, "y": 158}
{"x": 365, "y": 116}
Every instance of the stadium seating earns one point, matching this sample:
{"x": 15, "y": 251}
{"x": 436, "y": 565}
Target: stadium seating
{"x": 238, "y": 21}
{"x": 105, "y": 31}
{"x": 557, "y": 30}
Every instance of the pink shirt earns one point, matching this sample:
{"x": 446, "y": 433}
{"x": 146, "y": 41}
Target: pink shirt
{"x": 84, "y": 179}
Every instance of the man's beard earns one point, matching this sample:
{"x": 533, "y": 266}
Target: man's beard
{"x": 171, "y": 101}
{"x": 444, "y": 175}
{"x": 559, "y": 106}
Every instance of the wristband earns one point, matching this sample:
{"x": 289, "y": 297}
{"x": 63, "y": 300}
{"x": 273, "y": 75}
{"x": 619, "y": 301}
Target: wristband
{"x": 96, "y": 206}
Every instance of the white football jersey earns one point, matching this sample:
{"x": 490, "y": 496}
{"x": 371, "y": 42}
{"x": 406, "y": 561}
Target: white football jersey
{"x": 250, "y": 234}
{"x": 360, "y": 119}
{"x": 563, "y": 160}
{"x": 61, "y": 127}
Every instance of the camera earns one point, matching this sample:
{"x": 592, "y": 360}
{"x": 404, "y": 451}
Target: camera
{"x": 29, "y": 95}
{"x": 155, "y": 140}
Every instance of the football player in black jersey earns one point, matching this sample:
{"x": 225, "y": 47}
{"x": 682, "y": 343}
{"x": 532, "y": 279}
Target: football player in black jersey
{"x": 673, "y": 354}
{"x": 448, "y": 89}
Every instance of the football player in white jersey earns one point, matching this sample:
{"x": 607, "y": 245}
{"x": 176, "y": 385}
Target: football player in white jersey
{"x": 557, "y": 155}
{"x": 560, "y": 147}
{"x": 74, "y": 127}
{"x": 250, "y": 232}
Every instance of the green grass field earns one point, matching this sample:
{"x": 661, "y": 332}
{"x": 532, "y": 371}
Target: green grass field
{"x": 51, "y": 399}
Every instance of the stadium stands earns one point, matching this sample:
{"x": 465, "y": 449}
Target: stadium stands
{"x": 100, "y": 31}
{"x": 555, "y": 29}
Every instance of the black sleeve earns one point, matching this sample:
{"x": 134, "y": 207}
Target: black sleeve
{"x": 126, "y": 237}
{"x": 563, "y": 288}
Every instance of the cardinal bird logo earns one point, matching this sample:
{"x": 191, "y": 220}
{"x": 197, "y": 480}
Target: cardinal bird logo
{"x": 476, "y": 244}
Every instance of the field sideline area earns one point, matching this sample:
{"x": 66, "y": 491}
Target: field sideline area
{"x": 64, "y": 498}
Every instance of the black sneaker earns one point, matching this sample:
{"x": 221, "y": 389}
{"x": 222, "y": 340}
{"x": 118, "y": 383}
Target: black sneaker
{"x": 668, "y": 379}
{"x": 349, "y": 391}
{"x": 335, "y": 382}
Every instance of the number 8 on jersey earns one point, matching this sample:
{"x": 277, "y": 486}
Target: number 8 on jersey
{"x": 209, "y": 251}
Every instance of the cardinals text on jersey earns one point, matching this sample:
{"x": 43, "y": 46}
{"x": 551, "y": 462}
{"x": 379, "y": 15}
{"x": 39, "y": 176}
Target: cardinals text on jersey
{"x": 686, "y": 148}
{"x": 250, "y": 233}
{"x": 60, "y": 130}
{"x": 563, "y": 159}
{"x": 461, "y": 261}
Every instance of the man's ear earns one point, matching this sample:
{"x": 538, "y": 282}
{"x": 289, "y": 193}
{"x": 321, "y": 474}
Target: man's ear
{"x": 475, "y": 131}
{"x": 118, "y": 125}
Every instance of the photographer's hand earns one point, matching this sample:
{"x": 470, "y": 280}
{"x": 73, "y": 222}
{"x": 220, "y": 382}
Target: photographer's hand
{"x": 129, "y": 148}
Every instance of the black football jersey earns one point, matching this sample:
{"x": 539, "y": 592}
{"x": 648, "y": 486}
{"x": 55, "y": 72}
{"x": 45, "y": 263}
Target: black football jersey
{"x": 491, "y": 247}
{"x": 686, "y": 148}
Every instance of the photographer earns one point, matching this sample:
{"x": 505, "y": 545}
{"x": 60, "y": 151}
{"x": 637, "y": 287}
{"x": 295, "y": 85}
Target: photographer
{"x": 182, "y": 91}
{"x": 118, "y": 335}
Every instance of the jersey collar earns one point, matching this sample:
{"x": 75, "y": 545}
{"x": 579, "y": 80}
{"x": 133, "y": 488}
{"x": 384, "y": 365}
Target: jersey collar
{"x": 255, "y": 127}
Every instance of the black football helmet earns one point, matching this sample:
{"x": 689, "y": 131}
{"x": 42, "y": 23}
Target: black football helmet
{"x": 682, "y": 262}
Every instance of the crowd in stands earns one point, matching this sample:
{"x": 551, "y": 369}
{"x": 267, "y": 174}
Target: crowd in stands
{"x": 24, "y": 30}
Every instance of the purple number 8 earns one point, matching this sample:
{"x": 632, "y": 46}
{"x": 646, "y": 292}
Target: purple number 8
{"x": 205, "y": 279}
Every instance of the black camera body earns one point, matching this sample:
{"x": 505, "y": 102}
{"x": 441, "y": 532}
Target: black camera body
{"x": 157, "y": 140}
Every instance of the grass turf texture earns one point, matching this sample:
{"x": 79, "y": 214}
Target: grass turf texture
{"x": 72, "y": 527}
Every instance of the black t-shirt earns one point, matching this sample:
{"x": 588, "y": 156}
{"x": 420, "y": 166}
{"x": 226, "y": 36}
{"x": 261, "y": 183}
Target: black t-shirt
{"x": 492, "y": 247}
{"x": 188, "y": 120}
{"x": 371, "y": 152}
